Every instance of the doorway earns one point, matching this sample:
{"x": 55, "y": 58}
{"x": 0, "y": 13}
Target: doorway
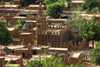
{"x": 23, "y": 55}
{"x": 34, "y": 52}
{"x": 69, "y": 48}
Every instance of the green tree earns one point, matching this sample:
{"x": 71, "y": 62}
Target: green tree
{"x": 54, "y": 10}
{"x": 10, "y": 65}
{"x": 21, "y": 23}
{"x": 49, "y": 62}
{"x": 95, "y": 56}
{"x": 30, "y": 14}
{"x": 46, "y": 62}
{"x": 69, "y": 4}
{"x": 5, "y": 35}
{"x": 91, "y": 30}
{"x": 90, "y": 4}
{"x": 76, "y": 22}
{"x": 47, "y": 2}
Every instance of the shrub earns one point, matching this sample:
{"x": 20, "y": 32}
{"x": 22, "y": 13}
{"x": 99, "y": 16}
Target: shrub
{"x": 54, "y": 10}
{"x": 90, "y": 4}
{"x": 21, "y": 23}
{"x": 5, "y": 35}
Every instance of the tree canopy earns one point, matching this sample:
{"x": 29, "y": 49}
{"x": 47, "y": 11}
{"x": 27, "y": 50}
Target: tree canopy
{"x": 49, "y": 62}
{"x": 95, "y": 56}
{"x": 91, "y": 30}
{"x": 76, "y": 22}
{"x": 5, "y": 35}
{"x": 54, "y": 10}
{"x": 47, "y": 2}
{"x": 21, "y": 23}
{"x": 50, "y": 1}
{"x": 90, "y": 4}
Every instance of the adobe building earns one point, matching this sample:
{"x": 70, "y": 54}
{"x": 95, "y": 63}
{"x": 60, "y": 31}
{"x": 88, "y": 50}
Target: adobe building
{"x": 76, "y": 3}
{"x": 12, "y": 30}
{"x": 75, "y": 58}
{"x": 36, "y": 50}
{"x": 25, "y": 52}
{"x": 58, "y": 50}
{"x": 2, "y": 61}
{"x": 72, "y": 58}
{"x": 34, "y": 32}
{"x": 31, "y": 22}
{"x": 56, "y": 21}
{"x": 16, "y": 1}
{"x": 56, "y": 35}
{"x": 14, "y": 46}
{"x": 26, "y": 38}
{"x": 13, "y": 60}
{"x": 15, "y": 19}
{"x": 35, "y": 7}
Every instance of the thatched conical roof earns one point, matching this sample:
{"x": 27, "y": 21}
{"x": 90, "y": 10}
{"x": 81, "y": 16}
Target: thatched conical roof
{"x": 7, "y": 50}
{"x": 25, "y": 27}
